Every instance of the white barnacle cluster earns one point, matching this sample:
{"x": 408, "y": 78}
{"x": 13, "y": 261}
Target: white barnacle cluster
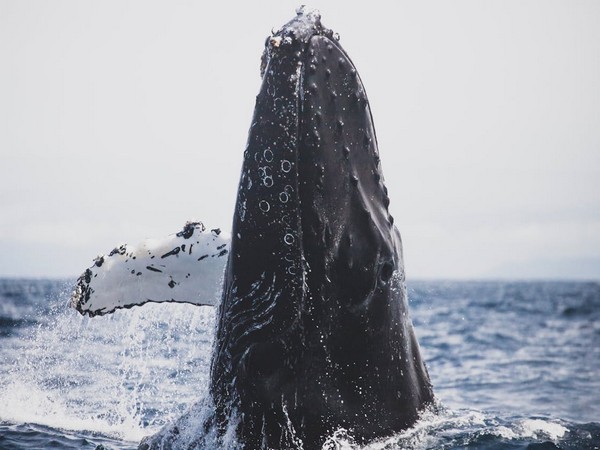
{"x": 264, "y": 206}
{"x": 275, "y": 176}
{"x": 266, "y": 176}
{"x": 265, "y": 172}
{"x": 265, "y": 160}
{"x": 286, "y": 194}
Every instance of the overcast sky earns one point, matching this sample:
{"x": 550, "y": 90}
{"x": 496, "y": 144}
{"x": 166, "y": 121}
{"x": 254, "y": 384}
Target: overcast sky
{"x": 121, "y": 120}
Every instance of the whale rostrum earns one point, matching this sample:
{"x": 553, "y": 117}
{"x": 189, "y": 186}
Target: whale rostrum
{"x": 313, "y": 332}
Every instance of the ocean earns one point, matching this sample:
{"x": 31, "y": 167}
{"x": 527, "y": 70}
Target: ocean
{"x": 514, "y": 365}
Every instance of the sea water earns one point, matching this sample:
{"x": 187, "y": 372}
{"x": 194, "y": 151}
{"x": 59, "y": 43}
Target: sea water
{"x": 514, "y": 365}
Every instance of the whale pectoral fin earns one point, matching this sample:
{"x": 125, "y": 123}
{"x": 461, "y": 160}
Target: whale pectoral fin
{"x": 186, "y": 267}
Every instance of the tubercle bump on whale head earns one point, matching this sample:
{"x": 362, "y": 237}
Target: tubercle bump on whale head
{"x": 295, "y": 34}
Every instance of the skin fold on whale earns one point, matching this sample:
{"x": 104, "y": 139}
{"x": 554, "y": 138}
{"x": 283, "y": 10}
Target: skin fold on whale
{"x": 313, "y": 331}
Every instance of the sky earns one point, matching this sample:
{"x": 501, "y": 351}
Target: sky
{"x": 122, "y": 120}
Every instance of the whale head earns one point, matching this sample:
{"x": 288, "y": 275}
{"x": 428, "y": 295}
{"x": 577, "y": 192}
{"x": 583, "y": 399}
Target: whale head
{"x": 313, "y": 331}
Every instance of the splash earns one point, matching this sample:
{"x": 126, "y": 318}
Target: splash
{"x": 123, "y": 376}
{"x": 440, "y": 427}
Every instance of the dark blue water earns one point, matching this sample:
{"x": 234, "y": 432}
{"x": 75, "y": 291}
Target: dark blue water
{"x": 515, "y": 365}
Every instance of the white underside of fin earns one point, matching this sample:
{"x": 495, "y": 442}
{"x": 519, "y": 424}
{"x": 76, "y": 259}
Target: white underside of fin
{"x": 185, "y": 267}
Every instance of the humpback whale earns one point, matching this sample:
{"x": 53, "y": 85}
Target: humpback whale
{"x": 313, "y": 331}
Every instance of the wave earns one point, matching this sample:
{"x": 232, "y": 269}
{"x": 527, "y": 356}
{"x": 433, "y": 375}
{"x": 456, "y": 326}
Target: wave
{"x": 74, "y": 382}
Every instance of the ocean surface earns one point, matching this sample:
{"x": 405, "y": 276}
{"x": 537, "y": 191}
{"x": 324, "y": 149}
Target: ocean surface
{"x": 515, "y": 365}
